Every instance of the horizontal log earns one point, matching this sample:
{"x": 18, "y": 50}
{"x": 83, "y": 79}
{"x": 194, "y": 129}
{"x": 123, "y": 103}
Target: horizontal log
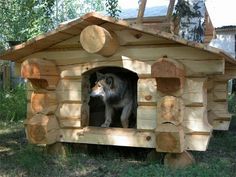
{"x": 96, "y": 39}
{"x": 69, "y": 111}
{"x": 195, "y": 120}
{"x": 42, "y": 129}
{"x": 197, "y": 141}
{"x": 36, "y": 67}
{"x": 195, "y": 92}
{"x": 41, "y": 73}
{"x": 169, "y": 138}
{"x": 69, "y": 90}
{"x": 147, "y": 90}
{"x": 109, "y": 136}
{"x": 220, "y": 91}
{"x": 70, "y": 123}
{"x": 146, "y": 117}
{"x": 43, "y": 102}
{"x": 197, "y": 63}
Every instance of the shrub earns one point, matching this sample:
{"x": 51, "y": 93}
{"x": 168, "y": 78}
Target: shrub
{"x": 13, "y": 104}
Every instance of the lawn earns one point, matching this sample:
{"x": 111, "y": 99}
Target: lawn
{"x": 18, "y": 158}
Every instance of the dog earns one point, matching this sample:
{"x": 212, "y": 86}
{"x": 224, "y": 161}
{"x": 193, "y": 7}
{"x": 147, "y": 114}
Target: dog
{"x": 116, "y": 93}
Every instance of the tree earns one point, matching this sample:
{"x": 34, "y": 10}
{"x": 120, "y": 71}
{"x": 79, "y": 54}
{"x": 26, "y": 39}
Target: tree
{"x": 112, "y": 8}
{"x": 22, "y": 20}
{"x": 190, "y": 18}
{"x": 65, "y": 10}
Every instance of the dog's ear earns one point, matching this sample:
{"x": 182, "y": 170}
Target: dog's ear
{"x": 100, "y": 76}
{"x": 109, "y": 81}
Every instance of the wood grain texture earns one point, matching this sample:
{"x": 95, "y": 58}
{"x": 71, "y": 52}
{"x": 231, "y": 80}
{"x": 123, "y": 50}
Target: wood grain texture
{"x": 109, "y": 136}
{"x": 42, "y": 129}
{"x": 169, "y": 138}
{"x": 95, "y": 39}
{"x": 170, "y": 110}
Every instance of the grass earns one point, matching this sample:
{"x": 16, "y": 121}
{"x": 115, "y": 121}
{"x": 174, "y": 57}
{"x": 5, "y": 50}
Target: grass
{"x": 18, "y": 158}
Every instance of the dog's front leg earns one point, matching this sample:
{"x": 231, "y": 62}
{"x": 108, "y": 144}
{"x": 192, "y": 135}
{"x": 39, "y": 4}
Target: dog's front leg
{"x": 108, "y": 116}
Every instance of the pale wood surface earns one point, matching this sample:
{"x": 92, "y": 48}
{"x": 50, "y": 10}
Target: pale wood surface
{"x": 169, "y": 74}
{"x": 146, "y": 117}
{"x": 196, "y": 63}
{"x": 43, "y": 102}
{"x": 68, "y": 30}
{"x": 170, "y": 109}
{"x": 195, "y": 92}
{"x": 179, "y": 161}
{"x": 69, "y": 111}
{"x": 169, "y": 138}
{"x": 42, "y": 129}
{"x": 147, "y": 90}
{"x": 95, "y": 39}
{"x": 69, "y": 90}
{"x": 40, "y": 72}
{"x": 197, "y": 141}
{"x": 109, "y": 136}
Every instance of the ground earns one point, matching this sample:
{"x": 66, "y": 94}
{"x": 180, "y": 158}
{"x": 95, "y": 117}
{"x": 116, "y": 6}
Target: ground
{"x": 18, "y": 158}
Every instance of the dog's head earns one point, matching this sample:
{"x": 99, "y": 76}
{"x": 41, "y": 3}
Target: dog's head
{"x": 103, "y": 84}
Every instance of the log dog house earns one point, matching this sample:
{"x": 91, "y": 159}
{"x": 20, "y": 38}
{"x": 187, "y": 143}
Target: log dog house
{"x": 181, "y": 85}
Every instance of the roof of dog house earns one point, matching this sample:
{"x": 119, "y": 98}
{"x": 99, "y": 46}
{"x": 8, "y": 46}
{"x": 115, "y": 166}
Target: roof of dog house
{"x": 74, "y": 28}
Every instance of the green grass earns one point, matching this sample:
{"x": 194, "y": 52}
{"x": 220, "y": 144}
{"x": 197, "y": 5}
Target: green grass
{"x": 18, "y": 158}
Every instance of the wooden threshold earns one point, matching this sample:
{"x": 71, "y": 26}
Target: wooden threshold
{"x": 109, "y": 136}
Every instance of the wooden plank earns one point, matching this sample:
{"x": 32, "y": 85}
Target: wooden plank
{"x": 197, "y": 141}
{"x": 69, "y": 111}
{"x": 220, "y": 91}
{"x": 221, "y": 123}
{"x": 195, "y": 120}
{"x": 147, "y": 90}
{"x": 69, "y": 43}
{"x": 139, "y": 67}
{"x": 69, "y": 115}
{"x": 196, "y": 62}
{"x": 146, "y": 117}
{"x": 109, "y": 136}
{"x": 131, "y": 37}
{"x": 70, "y": 123}
{"x": 195, "y": 92}
{"x": 142, "y": 5}
{"x": 69, "y": 90}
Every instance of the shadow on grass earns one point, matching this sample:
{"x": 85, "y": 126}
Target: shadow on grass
{"x": 17, "y": 158}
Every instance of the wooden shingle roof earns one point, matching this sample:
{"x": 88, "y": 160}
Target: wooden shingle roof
{"x": 73, "y": 28}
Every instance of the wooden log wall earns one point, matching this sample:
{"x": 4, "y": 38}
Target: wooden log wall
{"x": 42, "y": 126}
{"x": 185, "y": 108}
{"x": 181, "y": 112}
{"x": 218, "y": 114}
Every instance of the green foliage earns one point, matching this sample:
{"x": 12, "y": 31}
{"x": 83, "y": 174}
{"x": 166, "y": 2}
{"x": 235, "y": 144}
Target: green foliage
{"x": 13, "y": 104}
{"x": 183, "y": 9}
{"x": 22, "y": 20}
{"x": 232, "y": 103}
{"x": 112, "y": 8}
{"x": 65, "y": 10}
